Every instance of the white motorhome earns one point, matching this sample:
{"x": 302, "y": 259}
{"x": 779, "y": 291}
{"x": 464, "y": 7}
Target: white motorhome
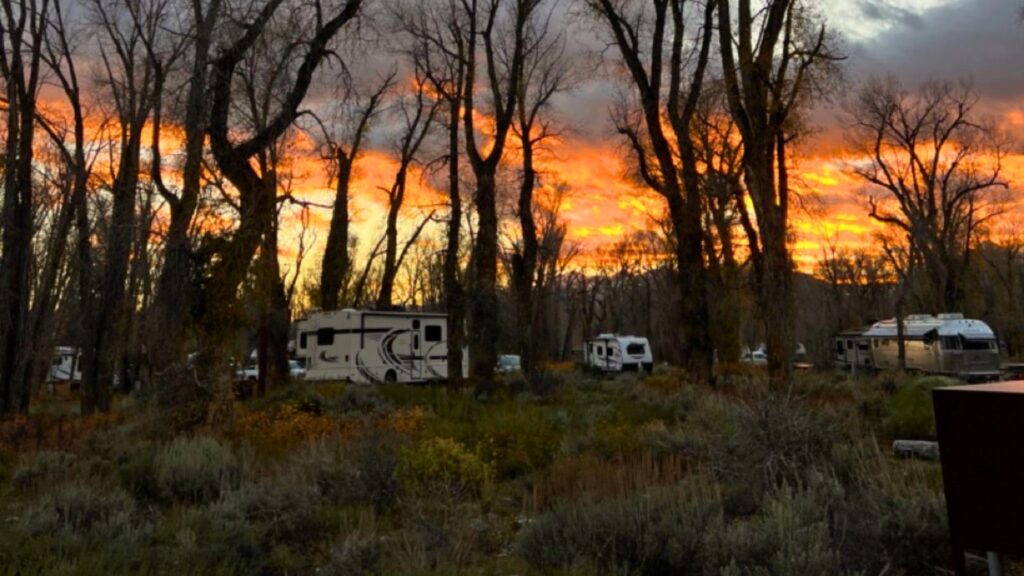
{"x": 370, "y": 347}
{"x": 66, "y": 365}
{"x": 942, "y": 344}
{"x": 615, "y": 353}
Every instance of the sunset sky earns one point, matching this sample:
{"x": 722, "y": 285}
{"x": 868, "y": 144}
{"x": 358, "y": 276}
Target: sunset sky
{"x": 914, "y": 40}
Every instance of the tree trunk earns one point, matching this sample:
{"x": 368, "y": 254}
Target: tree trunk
{"x": 334, "y": 269}
{"x": 454, "y": 297}
{"x": 524, "y": 264}
{"x": 483, "y": 312}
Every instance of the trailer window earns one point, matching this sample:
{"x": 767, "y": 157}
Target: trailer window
{"x": 977, "y": 344}
{"x": 432, "y": 333}
{"x": 849, "y": 344}
{"x": 600, "y": 350}
{"x": 415, "y": 341}
{"x": 325, "y": 337}
{"x": 950, "y": 343}
{"x": 635, "y": 349}
{"x": 839, "y": 347}
{"x": 303, "y": 339}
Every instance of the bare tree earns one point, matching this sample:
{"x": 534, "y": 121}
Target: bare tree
{"x": 342, "y": 143}
{"x": 937, "y": 167}
{"x": 439, "y": 47}
{"x": 417, "y": 111}
{"x": 257, "y": 199}
{"x": 658, "y": 130}
{"x": 775, "y": 61}
{"x": 505, "y": 48}
{"x": 23, "y": 26}
{"x": 546, "y": 73}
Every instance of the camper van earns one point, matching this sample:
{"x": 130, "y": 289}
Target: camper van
{"x": 66, "y": 365}
{"x": 943, "y": 344}
{"x": 614, "y": 353}
{"x": 371, "y": 346}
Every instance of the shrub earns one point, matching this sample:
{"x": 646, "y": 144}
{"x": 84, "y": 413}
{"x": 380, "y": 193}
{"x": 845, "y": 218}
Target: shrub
{"x": 775, "y": 442}
{"x": 909, "y": 414}
{"x": 790, "y": 538}
{"x": 138, "y": 470}
{"x": 363, "y": 471}
{"x": 43, "y": 467}
{"x": 284, "y": 510}
{"x": 354, "y": 556}
{"x": 445, "y": 465}
{"x": 660, "y": 531}
{"x": 196, "y": 469}
{"x": 80, "y": 510}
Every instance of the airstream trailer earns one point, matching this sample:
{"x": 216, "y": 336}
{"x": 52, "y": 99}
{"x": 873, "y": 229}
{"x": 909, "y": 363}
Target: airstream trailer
{"x": 944, "y": 344}
{"x": 371, "y": 346}
{"x": 614, "y": 353}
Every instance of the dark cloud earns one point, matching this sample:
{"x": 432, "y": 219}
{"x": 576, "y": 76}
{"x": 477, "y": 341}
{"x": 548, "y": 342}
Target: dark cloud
{"x": 883, "y": 11}
{"x": 980, "y": 40}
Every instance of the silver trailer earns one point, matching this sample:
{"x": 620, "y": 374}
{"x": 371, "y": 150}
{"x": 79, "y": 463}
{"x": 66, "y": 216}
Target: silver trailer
{"x": 945, "y": 344}
{"x": 370, "y": 347}
{"x": 614, "y": 353}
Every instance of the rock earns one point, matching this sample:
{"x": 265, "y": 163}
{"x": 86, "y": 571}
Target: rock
{"x": 922, "y": 449}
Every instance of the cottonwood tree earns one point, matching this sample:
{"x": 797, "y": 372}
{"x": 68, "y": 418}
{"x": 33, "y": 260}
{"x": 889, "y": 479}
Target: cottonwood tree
{"x": 257, "y": 201}
{"x": 933, "y": 169}
{"x": 136, "y": 52}
{"x": 775, "y": 59}
{"x": 342, "y": 135}
{"x": 546, "y": 73}
{"x": 23, "y": 28}
{"x": 417, "y": 111}
{"x": 665, "y": 46}
{"x": 177, "y": 283}
{"x": 439, "y": 48}
{"x": 497, "y": 47}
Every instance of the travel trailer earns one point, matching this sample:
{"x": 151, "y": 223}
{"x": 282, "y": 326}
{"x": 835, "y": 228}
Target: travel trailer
{"x": 614, "y": 353}
{"x": 66, "y": 365}
{"x": 944, "y": 344}
{"x": 370, "y": 347}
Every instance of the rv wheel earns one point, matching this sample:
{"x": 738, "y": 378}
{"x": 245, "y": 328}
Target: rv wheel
{"x": 390, "y": 377}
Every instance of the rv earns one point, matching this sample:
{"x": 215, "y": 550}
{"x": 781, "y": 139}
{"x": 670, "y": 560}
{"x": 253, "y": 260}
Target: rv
{"x": 944, "y": 344}
{"x": 614, "y": 353}
{"x": 368, "y": 346}
{"x": 66, "y": 365}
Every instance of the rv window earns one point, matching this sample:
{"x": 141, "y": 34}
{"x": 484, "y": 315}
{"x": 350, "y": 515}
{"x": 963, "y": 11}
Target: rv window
{"x": 415, "y": 324}
{"x": 600, "y": 350}
{"x": 432, "y": 333}
{"x": 302, "y": 339}
{"x": 325, "y": 337}
{"x": 950, "y": 343}
{"x": 635, "y": 349}
{"x": 863, "y": 345}
{"x": 415, "y": 341}
{"x": 839, "y": 347}
{"x": 849, "y": 344}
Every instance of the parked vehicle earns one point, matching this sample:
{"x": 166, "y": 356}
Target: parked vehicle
{"x": 66, "y": 365}
{"x": 371, "y": 346}
{"x": 945, "y": 344}
{"x": 509, "y": 363}
{"x": 615, "y": 353}
{"x": 759, "y": 356}
{"x": 251, "y": 372}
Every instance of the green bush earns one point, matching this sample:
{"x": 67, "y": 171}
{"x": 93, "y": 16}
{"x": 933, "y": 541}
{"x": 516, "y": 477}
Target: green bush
{"x": 660, "y": 531}
{"x": 195, "y": 469}
{"x": 909, "y": 414}
{"x": 137, "y": 468}
{"x": 42, "y": 468}
{"x": 443, "y": 465}
{"x": 285, "y": 511}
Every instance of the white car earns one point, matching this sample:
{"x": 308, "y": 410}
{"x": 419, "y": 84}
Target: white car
{"x": 251, "y": 372}
{"x": 509, "y": 363}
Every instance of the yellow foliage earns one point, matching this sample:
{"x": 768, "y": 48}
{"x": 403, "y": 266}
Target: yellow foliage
{"x": 282, "y": 428}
